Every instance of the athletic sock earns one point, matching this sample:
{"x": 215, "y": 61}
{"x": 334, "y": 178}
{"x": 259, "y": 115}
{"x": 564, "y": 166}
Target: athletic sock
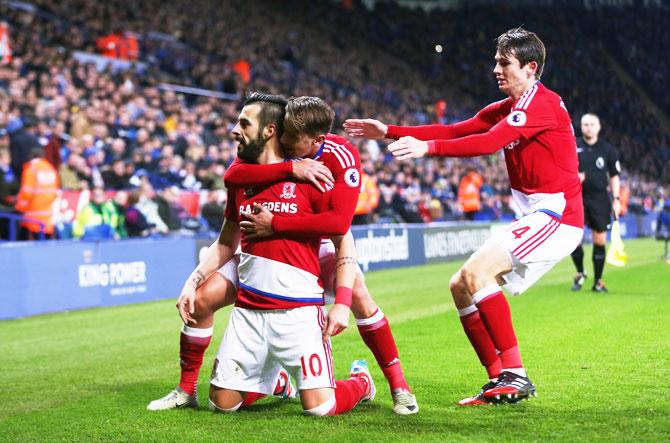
{"x": 497, "y": 318}
{"x": 598, "y": 262}
{"x": 348, "y": 393}
{"x": 578, "y": 258}
{"x": 193, "y": 343}
{"x": 377, "y": 335}
{"x": 481, "y": 340}
{"x": 250, "y": 398}
{"x": 517, "y": 371}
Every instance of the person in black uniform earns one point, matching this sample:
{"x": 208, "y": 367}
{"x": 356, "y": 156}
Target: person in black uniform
{"x": 598, "y": 167}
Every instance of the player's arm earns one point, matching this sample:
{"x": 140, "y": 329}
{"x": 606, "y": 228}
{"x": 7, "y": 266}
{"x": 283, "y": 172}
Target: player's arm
{"x": 470, "y": 126}
{"x": 336, "y": 220}
{"x": 345, "y": 275}
{"x": 374, "y": 129}
{"x": 519, "y": 124}
{"x": 491, "y": 141}
{"x": 245, "y": 175}
{"x": 218, "y": 254}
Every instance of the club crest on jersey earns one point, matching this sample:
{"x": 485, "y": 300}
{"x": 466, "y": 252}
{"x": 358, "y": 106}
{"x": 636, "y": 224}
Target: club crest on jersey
{"x": 600, "y": 163}
{"x": 288, "y": 191}
{"x": 352, "y": 177}
{"x": 516, "y": 118}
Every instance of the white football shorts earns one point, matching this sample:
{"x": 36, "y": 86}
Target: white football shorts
{"x": 327, "y": 259}
{"x": 535, "y": 243}
{"x": 257, "y": 344}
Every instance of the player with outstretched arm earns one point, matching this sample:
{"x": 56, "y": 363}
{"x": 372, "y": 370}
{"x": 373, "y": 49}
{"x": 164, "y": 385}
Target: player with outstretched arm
{"x": 533, "y": 127}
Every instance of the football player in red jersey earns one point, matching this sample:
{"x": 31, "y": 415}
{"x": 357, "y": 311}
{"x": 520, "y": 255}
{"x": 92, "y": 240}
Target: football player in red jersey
{"x": 307, "y": 123}
{"x": 533, "y": 127}
{"x": 278, "y": 319}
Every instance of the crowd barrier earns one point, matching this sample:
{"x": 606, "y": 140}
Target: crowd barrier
{"x": 52, "y": 276}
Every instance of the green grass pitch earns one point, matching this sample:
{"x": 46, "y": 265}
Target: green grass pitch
{"x": 600, "y": 362}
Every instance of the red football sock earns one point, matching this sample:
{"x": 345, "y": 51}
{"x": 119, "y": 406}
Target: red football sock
{"x": 497, "y": 317}
{"x": 376, "y": 333}
{"x": 348, "y": 393}
{"x": 250, "y": 398}
{"x": 191, "y": 351}
{"x": 482, "y": 343}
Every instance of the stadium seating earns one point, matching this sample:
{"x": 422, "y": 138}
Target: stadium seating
{"x": 377, "y": 62}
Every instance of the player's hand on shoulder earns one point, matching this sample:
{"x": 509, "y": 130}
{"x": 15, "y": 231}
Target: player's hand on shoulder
{"x": 336, "y": 321}
{"x": 365, "y": 128}
{"x": 314, "y": 172}
{"x": 257, "y": 224}
{"x": 408, "y": 147}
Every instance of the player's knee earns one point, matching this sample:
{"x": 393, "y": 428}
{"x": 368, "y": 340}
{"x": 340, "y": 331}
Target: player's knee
{"x": 202, "y": 304}
{"x": 215, "y": 407}
{"x": 469, "y": 280}
{"x": 221, "y": 400}
{"x": 457, "y": 284}
{"x": 324, "y": 409}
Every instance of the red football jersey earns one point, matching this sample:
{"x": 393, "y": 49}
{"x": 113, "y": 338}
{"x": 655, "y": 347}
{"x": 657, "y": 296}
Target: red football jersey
{"x": 279, "y": 272}
{"x": 343, "y": 160}
{"x": 540, "y": 149}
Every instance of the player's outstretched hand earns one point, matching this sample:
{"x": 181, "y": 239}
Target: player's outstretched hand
{"x": 257, "y": 224}
{"x": 186, "y": 304}
{"x": 365, "y": 128}
{"x": 408, "y": 147}
{"x": 336, "y": 321}
{"x": 314, "y": 172}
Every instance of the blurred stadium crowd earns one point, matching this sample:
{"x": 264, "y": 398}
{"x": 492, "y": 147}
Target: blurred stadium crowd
{"x": 127, "y": 131}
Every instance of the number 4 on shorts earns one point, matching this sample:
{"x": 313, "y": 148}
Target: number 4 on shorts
{"x": 520, "y": 231}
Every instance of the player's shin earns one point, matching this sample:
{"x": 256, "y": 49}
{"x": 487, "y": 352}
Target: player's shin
{"x": 376, "y": 333}
{"x": 497, "y": 317}
{"x": 481, "y": 340}
{"x": 192, "y": 346}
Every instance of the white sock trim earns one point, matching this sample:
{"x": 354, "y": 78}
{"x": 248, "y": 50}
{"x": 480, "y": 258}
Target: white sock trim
{"x": 376, "y": 317}
{"x": 467, "y": 310}
{"x": 323, "y": 409}
{"x": 215, "y": 408}
{"x": 197, "y": 332}
{"x": 485, "y": 292}
{"x": 518, "y": 371}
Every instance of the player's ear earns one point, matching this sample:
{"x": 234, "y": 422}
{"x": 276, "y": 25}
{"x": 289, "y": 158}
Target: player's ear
{"x": 532, "y": 66}
{"x": 320, "y": 139}
{"x": 270, "y": 130}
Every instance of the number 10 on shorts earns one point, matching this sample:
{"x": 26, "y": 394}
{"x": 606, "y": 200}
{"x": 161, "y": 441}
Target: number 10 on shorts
{"x": 313, "y": 365}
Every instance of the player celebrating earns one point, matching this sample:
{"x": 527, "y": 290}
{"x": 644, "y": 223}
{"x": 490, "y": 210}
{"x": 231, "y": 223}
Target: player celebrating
{"x": 597, "y": 160}
{"x": 307, "y": 122}
{"x": 278, "y": 318}
{"x": 533, "y": 127}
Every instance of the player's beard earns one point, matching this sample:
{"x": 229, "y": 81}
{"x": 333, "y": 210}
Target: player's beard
{"x": 251, "y": 150}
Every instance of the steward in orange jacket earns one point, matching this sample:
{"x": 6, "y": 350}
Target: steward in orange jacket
{"x": 39, "y": 189}
{"x": 468, "y": 193}
{"x": 368, "y": 199}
